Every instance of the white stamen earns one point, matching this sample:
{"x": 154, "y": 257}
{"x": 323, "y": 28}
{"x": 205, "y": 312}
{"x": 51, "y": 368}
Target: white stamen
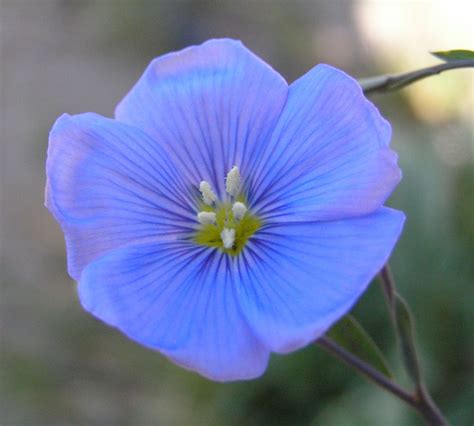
{"x": 228, "y": 237}
{"x": 239, "y": 210}
{"x": 208, "y": 195}
{"x": 232, "y": 183}
{"x": 205, "y": 218}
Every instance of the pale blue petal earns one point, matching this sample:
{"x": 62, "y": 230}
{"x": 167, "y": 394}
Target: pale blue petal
{"x": 110, "y": 185}
{"x": 298, "y": 279}
{"x": 180, "y": 299}
{"x": 213, "y": 106}
{"x": 328, "y": 157}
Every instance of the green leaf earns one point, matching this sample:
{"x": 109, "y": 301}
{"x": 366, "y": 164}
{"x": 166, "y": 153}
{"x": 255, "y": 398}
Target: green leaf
{"x": 404, "y": 326}
{"x": 349, "y": 334}
{"x": 454, "y": 55}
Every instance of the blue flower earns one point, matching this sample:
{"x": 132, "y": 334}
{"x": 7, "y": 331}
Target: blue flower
{"x": 223, "y": 215}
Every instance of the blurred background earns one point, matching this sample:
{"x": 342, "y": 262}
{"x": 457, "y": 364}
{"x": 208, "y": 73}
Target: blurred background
{"x": 61, "y": 366}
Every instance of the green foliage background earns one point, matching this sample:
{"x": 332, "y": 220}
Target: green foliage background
{"x": 60, "y": 366}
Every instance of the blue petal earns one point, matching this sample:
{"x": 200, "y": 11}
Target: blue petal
{"x": 180, "y": 299}
{"x": 110, "y": 185}
{"x": 328, "y": 157}
{"x": 299, "y": 278}
{"x": 213, "y": 106}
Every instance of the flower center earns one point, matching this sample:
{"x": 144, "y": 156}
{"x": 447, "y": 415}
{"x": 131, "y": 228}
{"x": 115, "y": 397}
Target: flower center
{"x": 225, "y": 225}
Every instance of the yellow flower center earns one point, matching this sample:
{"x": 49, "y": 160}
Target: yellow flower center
{"x": 229, "y": 225}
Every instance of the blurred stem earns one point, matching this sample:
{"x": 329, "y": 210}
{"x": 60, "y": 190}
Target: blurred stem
{"x": 388, "y": 285}
{"x": 385, "y": 83}
{"x": 365, "y": 369}
{"x": 402, "y": 320}
{"x": 400, "y": 315}
{"x": 420, "y": 400}
{"x": 403, "y": 327}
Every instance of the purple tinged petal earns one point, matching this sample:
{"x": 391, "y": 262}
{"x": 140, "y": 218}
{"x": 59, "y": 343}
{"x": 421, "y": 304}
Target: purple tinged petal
{"x": 328, "y": 157}
{"x": 213, "y": 106}
{"x": 298, "y": 279}
{"x": 180, "y": 299}
{"x": 110, "y": 185}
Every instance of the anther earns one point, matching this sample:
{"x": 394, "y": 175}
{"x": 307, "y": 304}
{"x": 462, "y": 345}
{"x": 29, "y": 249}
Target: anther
{"x": 239, "y": 209}
{"x": 206, "y": 218}
{"x": 228, "y": 237}
{"x": 208, "y": 195}
{"x": 232, "y": 183}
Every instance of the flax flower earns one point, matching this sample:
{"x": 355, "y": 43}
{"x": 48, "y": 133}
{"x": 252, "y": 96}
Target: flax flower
{"x": 223, "y": 214}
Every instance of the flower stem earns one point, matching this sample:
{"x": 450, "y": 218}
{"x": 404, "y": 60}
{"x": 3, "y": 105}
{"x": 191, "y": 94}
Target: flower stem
{"x": 388, "y": 285}
{"x": 365, "y": 369}
{"x": 427, "y": 407}
{"x": 385, "y": 83}
{"x": 401, "y": 318}
{"x": 420, "y": 400}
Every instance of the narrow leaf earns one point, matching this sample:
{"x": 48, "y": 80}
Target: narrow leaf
{"x": 404, "y": 325}
{"x": 349, "y": 334}
{"x": 454, "y": 55}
